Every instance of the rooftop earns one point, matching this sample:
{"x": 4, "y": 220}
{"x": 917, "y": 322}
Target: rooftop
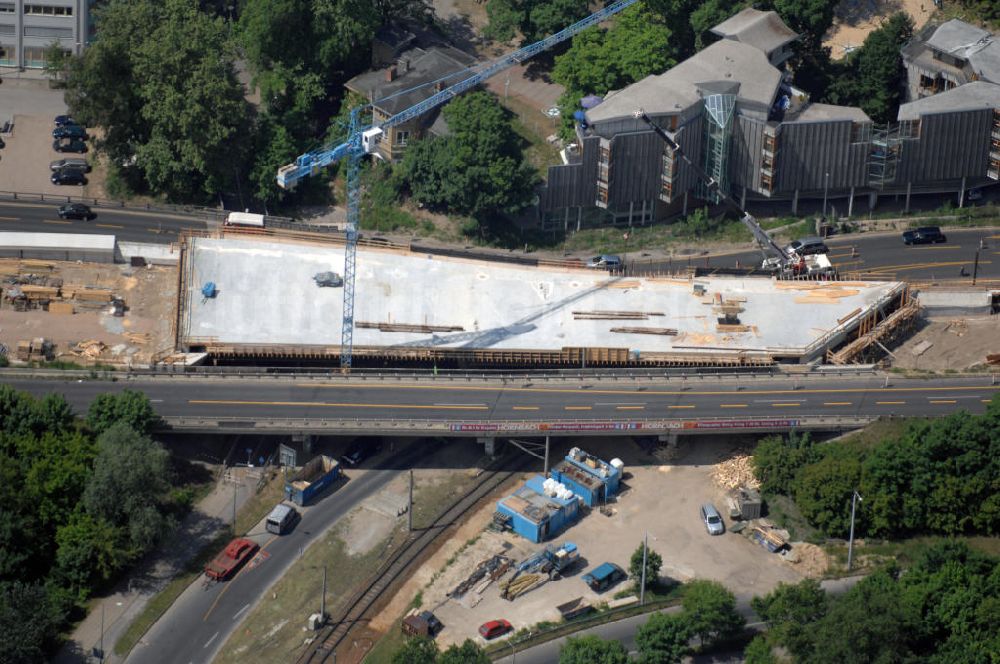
{"x": 531, "y": 503}
{"x": 724, "y": 62}
{"x": 23, "y": 240}
{"x": 974, "y": 96}
{"x": 267, "y": 296}
{"x": 415, "y": 67}
{"x": 578, "y": 475}
{"x": 978, "y": 47}
{"x": 760, "y": 29}
{"x": 813, "y": 112}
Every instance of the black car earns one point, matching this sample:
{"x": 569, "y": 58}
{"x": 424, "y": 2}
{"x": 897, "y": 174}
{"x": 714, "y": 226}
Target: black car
{"x": 924, "y": 235}
{"x": 69, "y": 131}
{"x": 360, "y": 450}
{"x": 69, "y": 145}
{"x": 76, "y": 211}
{"x": 63, "y": 120}
{"x": 68, "y": 176}
{"x": 79, "y": 163}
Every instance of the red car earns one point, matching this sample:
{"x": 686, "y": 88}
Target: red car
{"x": 494, "y": 628}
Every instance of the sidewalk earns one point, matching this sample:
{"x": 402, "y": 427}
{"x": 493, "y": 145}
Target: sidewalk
{"x": 209, "y": 516}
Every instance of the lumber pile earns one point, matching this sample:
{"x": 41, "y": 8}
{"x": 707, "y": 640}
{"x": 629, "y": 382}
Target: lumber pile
{"x": 514, "y": 588}
{"x": 91, "y": 348}
{"x": 614, "y": 315}
{"x": 486, "y": 572}
{"x": 664, "y": 331}
{"x": 734, "y": 472}
{"x": 61, "y": 308}
{"x": 38, "y": 349}
{"x": 409, "y": 327}
{"x": 137, "y": 337}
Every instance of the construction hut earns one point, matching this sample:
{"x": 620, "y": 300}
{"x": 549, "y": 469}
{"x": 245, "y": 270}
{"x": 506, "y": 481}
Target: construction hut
{"x": 540, "y": 509}
{"x": 590, "y": 478}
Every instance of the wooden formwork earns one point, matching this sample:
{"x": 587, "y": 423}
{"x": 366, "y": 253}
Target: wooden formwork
{"x": 875, "y": 329}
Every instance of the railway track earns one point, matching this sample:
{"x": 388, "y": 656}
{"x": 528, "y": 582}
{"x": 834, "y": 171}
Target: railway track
{"x": 361, "y": 603}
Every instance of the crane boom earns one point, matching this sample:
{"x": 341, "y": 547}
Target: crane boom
{"x": 764, "y": 241}
{"x": 362, "y": 140}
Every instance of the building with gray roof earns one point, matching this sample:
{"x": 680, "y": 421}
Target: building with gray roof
{"x": 736, "y": 113}
{"x": 945, "y": 56}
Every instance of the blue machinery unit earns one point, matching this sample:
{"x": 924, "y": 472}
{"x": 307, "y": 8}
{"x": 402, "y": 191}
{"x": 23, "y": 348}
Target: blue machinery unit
{"x": 362, "y": 140}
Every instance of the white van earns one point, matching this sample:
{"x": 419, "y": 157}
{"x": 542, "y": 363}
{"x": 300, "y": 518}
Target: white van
{"x": 281, "y": 519}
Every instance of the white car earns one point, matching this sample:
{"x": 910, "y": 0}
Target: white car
{"x": 553, "y": 112}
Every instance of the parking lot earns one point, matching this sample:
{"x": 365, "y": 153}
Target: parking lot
{"x": 660, "y": 498}
{"x": 24, "y": 162}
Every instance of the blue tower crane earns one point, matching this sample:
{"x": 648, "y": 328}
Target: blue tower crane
{"x": 362, "y": 140}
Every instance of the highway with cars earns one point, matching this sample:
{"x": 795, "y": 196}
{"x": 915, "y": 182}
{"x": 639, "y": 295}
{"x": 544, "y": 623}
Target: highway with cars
{"x": 130, "y": 225}
{"x": 379, "y": 402}
{"x": 879, "y": 255}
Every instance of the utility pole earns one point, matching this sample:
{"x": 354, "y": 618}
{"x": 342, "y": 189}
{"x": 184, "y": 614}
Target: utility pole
{"x": 235, "y": 489}
{"x": 642, "y": 587}
{"x": 409, "y": 507}
{"x": 850, "y": 543}
{"x": 975, "y": 268}
{"x": 545, "y": 470}
{"x": 322, "y": 601}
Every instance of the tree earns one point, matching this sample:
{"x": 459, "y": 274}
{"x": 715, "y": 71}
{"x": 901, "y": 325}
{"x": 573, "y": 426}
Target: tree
{"x": 546, "y": 17}
{"x": 129, "y": 407}
{"x": 710, "y": 611}
{"x": 592, "y": 649}
{"x": 417, "y": 650}
{"x": 788, "y": 610}
{"x": 467, "y": 653}
{"x": 654, "y": 562}
{"x": 56, "y": 61}
{"x": 28, "y": 623}
{"x": 872, "y": 76}
{"x": 777, "y": 460}
{"x": 127, "y": 486}
{"x": 87, "y": 553}
{"x": 823, "y": 489}
{"x": 663, "y": 639}
{"x": 809, "y": 18}
{"x": 758, "y": 651}
{"x": 478, "y": 169}
{"x": 504, "y": 19}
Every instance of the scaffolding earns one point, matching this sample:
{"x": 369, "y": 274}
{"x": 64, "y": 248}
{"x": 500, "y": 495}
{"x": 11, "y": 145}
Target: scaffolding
{"x": 883, "y": 155}
{"x": 718, "y": 131}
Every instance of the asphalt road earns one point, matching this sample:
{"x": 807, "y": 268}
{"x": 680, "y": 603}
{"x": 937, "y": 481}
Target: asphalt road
{"x": 882, "y": 255}
{"x": 198, "y": 624}
{"x": 625, "y": 630}
{"x": 675, "y": 398}
{"x": 127, "y": 225}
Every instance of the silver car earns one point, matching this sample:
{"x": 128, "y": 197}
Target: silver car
{"x": 70, "y": 162}
{"x": 712, "y": 519}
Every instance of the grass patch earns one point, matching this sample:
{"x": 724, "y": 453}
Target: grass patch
{"x": 872, "y": 553}
{"x": 255, "y": 509}
{"x": 533, "y": 127}
{"x": 785, "y": 513}
{"x": 393, "y": 640}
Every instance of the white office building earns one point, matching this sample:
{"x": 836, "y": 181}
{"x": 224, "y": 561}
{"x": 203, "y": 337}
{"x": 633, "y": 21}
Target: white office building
{"x": 28, "y": 27}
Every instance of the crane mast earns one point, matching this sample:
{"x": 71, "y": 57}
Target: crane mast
{"x": 363, "y": 140}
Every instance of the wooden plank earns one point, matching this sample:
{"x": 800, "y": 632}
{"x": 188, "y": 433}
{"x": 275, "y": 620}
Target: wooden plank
{"x": 61, "y": 308}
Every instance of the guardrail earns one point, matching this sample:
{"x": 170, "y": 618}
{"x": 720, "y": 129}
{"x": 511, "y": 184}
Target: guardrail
{"x": 496, "y": 428}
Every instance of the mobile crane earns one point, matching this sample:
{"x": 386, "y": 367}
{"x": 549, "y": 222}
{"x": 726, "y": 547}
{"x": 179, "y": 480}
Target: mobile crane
{"x": 363, "y": 139}
{"x": 776, "y": 258}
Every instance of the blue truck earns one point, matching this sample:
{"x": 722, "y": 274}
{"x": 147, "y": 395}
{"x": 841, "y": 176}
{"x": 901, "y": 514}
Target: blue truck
{"x": 319, "y": 473}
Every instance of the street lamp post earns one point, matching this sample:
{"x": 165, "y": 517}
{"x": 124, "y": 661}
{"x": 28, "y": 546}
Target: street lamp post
{"x": 826, "y": 191}
{"x": 642, "y": 587}
{"x": 850, "y": 542}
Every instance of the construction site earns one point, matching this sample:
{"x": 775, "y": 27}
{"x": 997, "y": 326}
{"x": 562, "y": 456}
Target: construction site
{"x": 247, "y": 298}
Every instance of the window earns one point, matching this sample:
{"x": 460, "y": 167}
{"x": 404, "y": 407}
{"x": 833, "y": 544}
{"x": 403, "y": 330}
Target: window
{"x": 995, "y": 145}
{"x": 47, "y": 10}
{"x": 402, "y": 137}
{"x": 766, "y": 182}
{"x": 7, "y": 52}
{"x": 7, "y": 29}
{"x": 666, "y": 190}
{"x": 57, "y": 33}
{"x": 6, "y": 7}
{"x": 605, "y": 155}
{"x": 927, "y": 83}
{"x": 861, "y": 132}
{"x": 602, "y": 195}
{"x": 668, "y": 165}
{"x": 993, "y": 171}
{"x": 770, "y": 142}
{"x": 909, "y": 129}
{"x": 34, "y": 56}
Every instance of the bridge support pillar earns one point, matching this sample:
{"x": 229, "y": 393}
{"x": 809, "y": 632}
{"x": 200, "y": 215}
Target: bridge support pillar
{"x": 795, "y": 202}
{"x": 961, "y": 194}
{"x": 490, "y": 445}
{"x": 909, "y": 187}
{"x": 304, "y": 439}
{"x": 872, "y": 200}
{"x": 850, "y": 204}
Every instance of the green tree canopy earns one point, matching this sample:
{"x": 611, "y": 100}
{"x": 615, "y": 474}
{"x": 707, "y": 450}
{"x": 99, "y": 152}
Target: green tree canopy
{"x": 663, "y": 639}
{"x": 28, "y": 622}
{"x": 654, "y": 562}
{"x": 88, "y": 553}
{"x": 416, "y": 650}
{"x": 478, "y": 169}
{"x": 466, "y": 653}
{"x": 788, "y": 610}
{"x": 710, "y": 611}
{"x": 128, "y": 407}
{"x": 592, "y": 649}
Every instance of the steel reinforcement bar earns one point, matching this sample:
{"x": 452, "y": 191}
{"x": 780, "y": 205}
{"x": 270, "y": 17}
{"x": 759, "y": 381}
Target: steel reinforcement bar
{"x": 357, "y": 607}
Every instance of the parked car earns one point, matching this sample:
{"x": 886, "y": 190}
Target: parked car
{"x": 76, "y": 211}
{"x": 360, "y": 450}
{"x": 712, "y": 519}
{"x": 606, "y": 261}
{"x": 69, "y": 131}
{"x": 68, "y": 176}
{"x": 494, "y": 628}
{"x": 63, "y": 120}
{"x": 69, "y": 145}
{"x": 924, "y": 235}
{"x": 807, "y": 246}
{"x": 78, "y": 163}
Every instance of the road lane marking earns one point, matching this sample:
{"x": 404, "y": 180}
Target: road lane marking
{"x": 889, "y": 403}
{"x": 778, "y": 400}
{"x": 229, "y": 584}
{"x": 9, "y": 218}
{"x": 237, "y": 614}
{"x": 646, "y": 393}
{"x": 576, "y": 407}
{"x": 61, "y": 223}
{"x": 525, "y": 407}
{"x": 952, "y": 396}
{"x": 732, "y": 405}
{"x": 943, "y": 401}
{"x": 108, "y": 226}
{"x": 160, "y": 230}
{"x": 784, "y": 405}
{"x": 921, "y": 266}
{"x": 678, "y": 407}
{"x": 620, "y": 403}
{"x": 947, "y": 246}
{"x": 209, "y": 642}
{"x": 630, "y": 408}
{"x": 223, "y": 402}
{"x": 986, "y": 400}
{"x": 458, "y": 405}
{"x": 836, "y": 403}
